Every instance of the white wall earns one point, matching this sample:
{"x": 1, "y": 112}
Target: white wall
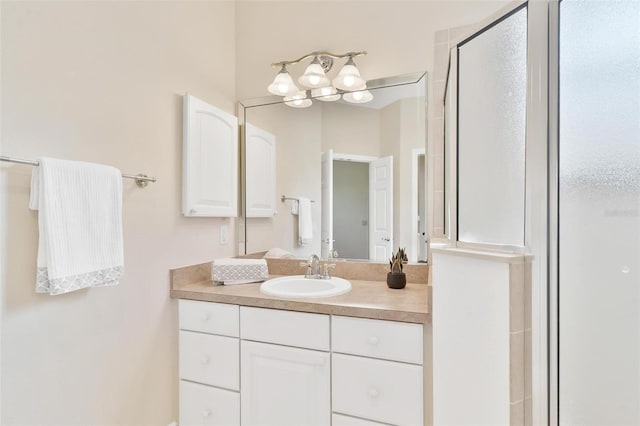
{"x": 398, "y": 35}
{"x": 350, "y": 129}
{"x": 102, "y": 82}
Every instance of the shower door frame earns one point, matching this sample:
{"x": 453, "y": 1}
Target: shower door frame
{"x": 553, "y": 289}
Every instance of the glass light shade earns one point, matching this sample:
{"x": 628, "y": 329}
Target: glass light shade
{"x": 327, "y": 93}
{"x": 283, "y": 84}
{"x": 349, "y": 77}
{"x": 314, "y": 76}
{"x": 299, "y": 100}
{"x": 359, "y": 97}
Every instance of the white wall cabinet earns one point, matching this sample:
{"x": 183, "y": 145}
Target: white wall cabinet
{"x": 210, "y": 160}
{"x": 298, "y": 368}
{"x": 260, "y": 172}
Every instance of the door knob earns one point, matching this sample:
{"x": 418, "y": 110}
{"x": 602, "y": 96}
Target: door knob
{"x": 386, "y": 239}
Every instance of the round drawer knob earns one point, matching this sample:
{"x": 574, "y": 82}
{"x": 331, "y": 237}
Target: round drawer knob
{"x": 206, "y": 413}
{"x": 205, "y": 360}
{"x": 205, "y": 317}
{"x": 373, "y": 393}
{"x": 373, "y": 340}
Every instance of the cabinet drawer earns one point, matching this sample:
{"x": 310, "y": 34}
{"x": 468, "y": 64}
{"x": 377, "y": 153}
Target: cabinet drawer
{"x": 384, "y": 391}
{"x": 209, "y": 359}
{"x": 285, "y": 327}
{"x": 209, "y": 317}
{"x": 396, "y": 341}
{"x": 340, "y": 420}
{"x": 204, "y": 405}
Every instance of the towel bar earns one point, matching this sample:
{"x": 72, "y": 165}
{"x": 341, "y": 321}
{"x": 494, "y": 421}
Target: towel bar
{"x": 141, "y": 180}
{"x": 283, "y": 198}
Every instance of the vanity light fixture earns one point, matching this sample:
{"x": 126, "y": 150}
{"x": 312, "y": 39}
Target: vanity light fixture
{"x": 298, "y": 100}
{"x": 347, "y": 84}
{"x": 358, "y": 97}
{"x": 283, "y": 84}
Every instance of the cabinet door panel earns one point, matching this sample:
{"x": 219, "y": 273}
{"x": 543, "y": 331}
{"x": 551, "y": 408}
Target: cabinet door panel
{"x": 210, "y": 160}
{"x": 260, "y": 172}
{"x": 205, "y": 405}
{"x": 284, "y": 386}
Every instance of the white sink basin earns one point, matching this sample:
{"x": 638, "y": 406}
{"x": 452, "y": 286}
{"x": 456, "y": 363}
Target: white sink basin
{"x": 299, "y": 286}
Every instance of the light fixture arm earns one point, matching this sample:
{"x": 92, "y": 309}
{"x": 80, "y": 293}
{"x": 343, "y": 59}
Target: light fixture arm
{"x": 312, "y": 54}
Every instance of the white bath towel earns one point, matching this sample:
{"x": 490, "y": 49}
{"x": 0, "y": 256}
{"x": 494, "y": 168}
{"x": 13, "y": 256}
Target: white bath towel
{"x": 80, "y": 225}
{"x": 305, "y": 223}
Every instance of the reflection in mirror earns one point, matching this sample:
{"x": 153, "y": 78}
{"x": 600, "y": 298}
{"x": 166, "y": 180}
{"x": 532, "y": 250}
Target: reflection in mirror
{"x": 361, "y": 166}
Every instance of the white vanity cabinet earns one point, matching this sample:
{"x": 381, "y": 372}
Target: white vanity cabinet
{"x": 377, "y": 371}
{"x": 209, "y": 361}
{"x": 278, "y": 367}
{"x": 285, "y": 385}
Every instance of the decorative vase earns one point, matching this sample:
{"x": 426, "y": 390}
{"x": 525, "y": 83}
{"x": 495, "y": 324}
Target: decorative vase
{"x": 396, "y": 280}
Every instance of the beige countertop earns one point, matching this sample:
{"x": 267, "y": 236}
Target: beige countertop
{"x": 367, "y": 299}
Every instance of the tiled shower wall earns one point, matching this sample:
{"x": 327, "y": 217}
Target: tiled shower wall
{"x": 444, "y": 39}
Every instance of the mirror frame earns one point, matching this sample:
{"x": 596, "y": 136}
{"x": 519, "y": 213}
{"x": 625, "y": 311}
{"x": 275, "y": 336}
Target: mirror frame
{"x": 244, "y": 105}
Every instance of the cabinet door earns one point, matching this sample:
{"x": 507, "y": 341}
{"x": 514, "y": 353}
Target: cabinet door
{"x": 210, "y": 160}
{"x": 260, "y": 172}
{"x": 284, "y": 386}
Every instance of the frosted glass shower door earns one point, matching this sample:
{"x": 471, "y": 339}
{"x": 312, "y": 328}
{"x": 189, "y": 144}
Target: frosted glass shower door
{"x": 492, "y": 86}
{"x": 599, "y": 213}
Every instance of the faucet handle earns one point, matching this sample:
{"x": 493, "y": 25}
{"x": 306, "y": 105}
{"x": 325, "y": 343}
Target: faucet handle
{"x": 325, "y": 272}
{"x": 308, "y": 273}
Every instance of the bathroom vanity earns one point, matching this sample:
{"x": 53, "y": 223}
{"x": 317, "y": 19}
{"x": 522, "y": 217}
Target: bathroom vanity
{"x": 360, "y": 358}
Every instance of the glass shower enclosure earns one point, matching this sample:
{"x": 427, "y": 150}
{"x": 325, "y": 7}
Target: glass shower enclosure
{"x": 599, "y": 213}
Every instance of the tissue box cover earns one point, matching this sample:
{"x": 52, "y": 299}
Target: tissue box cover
{"x": 240, "y": 269}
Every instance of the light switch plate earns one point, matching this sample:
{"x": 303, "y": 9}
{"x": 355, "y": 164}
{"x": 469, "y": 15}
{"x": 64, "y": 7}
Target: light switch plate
{"x": 224, "y": 234}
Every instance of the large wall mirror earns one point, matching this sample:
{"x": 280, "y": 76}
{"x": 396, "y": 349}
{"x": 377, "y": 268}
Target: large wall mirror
{"x": 361, "y": 165}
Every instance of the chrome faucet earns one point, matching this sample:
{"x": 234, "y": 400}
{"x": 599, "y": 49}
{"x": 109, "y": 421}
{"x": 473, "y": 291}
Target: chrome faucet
{"x": 313, "y": 267}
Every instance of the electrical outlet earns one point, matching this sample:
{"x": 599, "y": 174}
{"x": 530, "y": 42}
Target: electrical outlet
{"x": 224, "y": 234}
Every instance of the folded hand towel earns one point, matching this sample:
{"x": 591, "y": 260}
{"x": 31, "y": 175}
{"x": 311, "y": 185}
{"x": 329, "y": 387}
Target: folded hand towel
{"x": 233, "y": 271}
{"x": 80, "y": 225}
{"x": 278, "y": 253}
{"x": 305, "y": 224}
